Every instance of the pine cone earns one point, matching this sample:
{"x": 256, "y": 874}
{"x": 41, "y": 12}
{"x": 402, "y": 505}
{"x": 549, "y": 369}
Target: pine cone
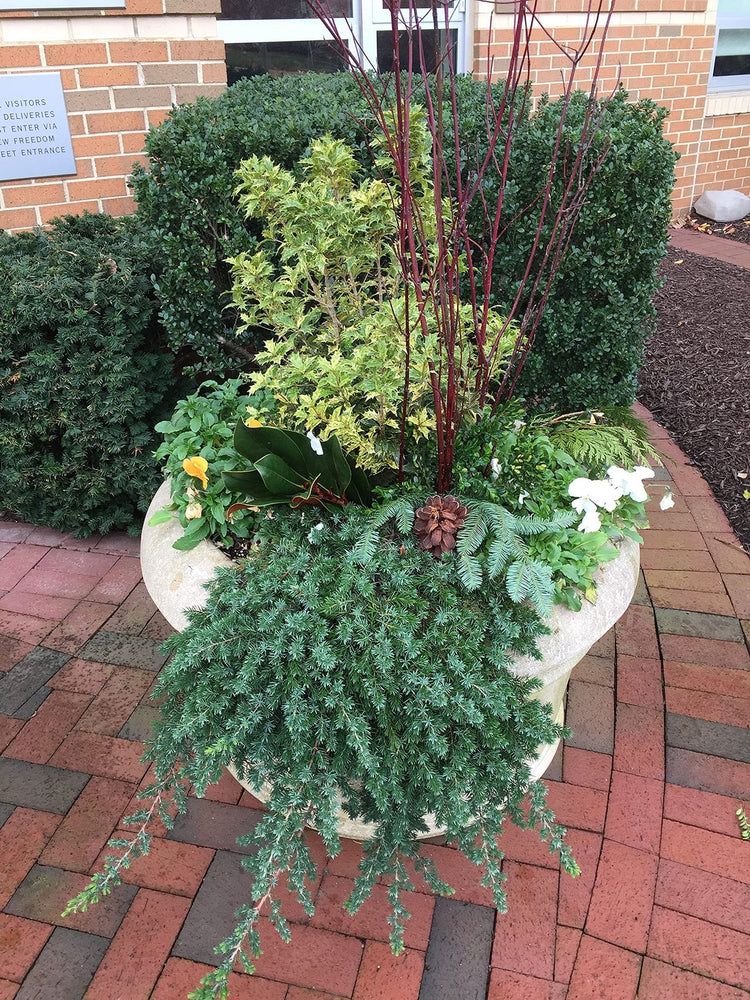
{"x": 437, "y": 524}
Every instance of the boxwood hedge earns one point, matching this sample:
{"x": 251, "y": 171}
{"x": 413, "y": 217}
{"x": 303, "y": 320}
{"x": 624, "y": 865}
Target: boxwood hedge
{"x": 590, "y": 340}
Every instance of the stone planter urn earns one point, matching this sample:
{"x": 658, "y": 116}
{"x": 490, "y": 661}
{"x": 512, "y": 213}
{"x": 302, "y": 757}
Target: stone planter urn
{"x": 176, "y": 581}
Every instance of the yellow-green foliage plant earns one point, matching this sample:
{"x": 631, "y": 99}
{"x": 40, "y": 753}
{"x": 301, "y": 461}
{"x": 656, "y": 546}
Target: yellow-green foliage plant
{"x": 328, "y": 284}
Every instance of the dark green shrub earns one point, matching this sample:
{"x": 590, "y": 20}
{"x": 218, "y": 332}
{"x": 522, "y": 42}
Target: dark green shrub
{"x": 82, "y": 375}
{"x": 589, "y": 343}
{"x": 186, "y": 195}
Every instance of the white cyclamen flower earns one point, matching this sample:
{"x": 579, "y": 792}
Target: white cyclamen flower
{"x": 315, "y": 444}
{"x": 600, "y": 492}
{"x": 630, "y": 484}
{"x": 667, "y": 500}
{"x": 522, "y": 496}
{"x": 496, "y": 468}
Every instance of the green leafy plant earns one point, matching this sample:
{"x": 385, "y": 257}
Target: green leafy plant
{"x": 589, "y": 343}
{"x": 84, "y": 374}
{"x": 590, "y": 339}
{"x": 356, "y": 674}
{"x": 202, "y": 427}
{"x": 185, "y": 195}
{"x": 326, "y": 280}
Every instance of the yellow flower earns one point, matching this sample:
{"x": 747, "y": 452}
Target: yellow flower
{"x": 196, "y": 466}
{"x": 254, "y": 423}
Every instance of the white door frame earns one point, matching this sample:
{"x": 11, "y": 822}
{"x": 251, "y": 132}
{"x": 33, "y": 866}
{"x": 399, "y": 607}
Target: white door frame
{"x": 374, "y": 17}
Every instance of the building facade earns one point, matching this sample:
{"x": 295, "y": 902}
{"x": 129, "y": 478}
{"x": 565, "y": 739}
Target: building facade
{"x": 121, "y": 67}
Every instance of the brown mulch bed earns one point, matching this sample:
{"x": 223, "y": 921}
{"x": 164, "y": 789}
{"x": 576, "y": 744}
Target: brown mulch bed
{"x": 696, "y": 374}
{"x": 738, "y": 231}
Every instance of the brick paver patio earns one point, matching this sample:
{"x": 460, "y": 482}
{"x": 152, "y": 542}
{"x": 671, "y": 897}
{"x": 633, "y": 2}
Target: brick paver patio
{"x": 648, "y": 786}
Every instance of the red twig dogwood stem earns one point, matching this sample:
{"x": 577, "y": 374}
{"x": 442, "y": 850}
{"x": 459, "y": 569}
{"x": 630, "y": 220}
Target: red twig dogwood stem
{"x": 456, "y": 267}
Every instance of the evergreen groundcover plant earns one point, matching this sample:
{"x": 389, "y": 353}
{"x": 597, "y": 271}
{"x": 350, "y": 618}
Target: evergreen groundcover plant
{"x": 407, "y": 522}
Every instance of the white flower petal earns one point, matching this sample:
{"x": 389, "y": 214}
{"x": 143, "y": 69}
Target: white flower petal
{"x": 667, "y": 501}
{"x": 605, "y": 494}
{"x": 315, "y": 444}
{"x": 579, "y": 487}
{"x": 630, "y": 484}
{"x": 591, "y": 521}
{"x": 602, "y": 492}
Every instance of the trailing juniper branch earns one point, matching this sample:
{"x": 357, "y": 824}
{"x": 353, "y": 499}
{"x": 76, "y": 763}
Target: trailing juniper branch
{"x": 170, "y": 789}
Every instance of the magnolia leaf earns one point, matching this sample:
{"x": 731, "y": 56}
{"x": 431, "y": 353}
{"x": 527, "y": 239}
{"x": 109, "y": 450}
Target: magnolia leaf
{"x": 244, "y": 481}
{"x": 254, "y": 443}
{"x": 279, "y": 478}
{"x": 241, "y": 506}
{"x": 337, "y": 464}
{"x": 358, "y": 490}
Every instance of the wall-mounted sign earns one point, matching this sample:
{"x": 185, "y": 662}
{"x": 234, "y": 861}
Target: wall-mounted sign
{"x": 34, "y": 131}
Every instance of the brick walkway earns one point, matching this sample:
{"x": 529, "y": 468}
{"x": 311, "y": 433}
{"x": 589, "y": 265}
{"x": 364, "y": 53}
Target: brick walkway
{"x": 648, "y": 786}
{"x": 730, "y": 251}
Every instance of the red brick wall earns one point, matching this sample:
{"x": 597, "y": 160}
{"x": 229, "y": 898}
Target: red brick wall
{"x": 667, "y": 62}
{"x": 724, "y": 154}
{"x": 115, "y": 85}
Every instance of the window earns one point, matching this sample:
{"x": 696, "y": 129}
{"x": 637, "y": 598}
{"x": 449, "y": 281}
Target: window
{"x": 281, "y": 58}
{"x": 731, "y": 64}
{"x": 262, "y": 10}
{"x": 266, "y": 36}
{"x": 280, "y": 36}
